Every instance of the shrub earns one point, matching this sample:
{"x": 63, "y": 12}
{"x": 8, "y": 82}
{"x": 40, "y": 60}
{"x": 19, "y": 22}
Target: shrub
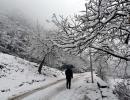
{"x": 122, "y": 90}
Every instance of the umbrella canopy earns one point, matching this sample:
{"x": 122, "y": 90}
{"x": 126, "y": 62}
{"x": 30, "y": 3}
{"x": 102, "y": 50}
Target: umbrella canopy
{"x": 66, "y": 66}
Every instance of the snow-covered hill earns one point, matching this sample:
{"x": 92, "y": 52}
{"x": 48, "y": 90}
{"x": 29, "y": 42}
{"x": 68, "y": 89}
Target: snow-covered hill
{"x": 18, "y": 75}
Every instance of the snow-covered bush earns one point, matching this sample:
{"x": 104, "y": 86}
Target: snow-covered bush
{"x": 122, "y": 90}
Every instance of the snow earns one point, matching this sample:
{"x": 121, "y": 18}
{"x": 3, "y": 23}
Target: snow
{"x": 113, "y": 81}
{"x": 101, "y": 82}
{"x": 82, "y": 89}
{"x": 18, "y": 76}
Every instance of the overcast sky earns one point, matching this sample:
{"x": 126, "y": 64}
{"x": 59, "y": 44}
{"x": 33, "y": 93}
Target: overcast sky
{"x": 43, "y": 9}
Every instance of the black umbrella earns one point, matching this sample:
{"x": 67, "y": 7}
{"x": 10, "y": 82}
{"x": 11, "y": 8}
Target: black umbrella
{"x": 66, "y": 66}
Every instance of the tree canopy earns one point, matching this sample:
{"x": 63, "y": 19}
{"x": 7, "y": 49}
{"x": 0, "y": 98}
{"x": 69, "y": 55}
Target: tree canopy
{"x": 104, "y": 26}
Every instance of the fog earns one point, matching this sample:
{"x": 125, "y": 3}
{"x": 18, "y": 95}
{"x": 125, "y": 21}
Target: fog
{"x": 42, "y": 10}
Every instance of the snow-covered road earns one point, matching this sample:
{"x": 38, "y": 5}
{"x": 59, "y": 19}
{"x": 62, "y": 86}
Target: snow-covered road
{"x": 48, "y": 92}
{"x": 24, "y": 95}
{"x": 82, "y": 89}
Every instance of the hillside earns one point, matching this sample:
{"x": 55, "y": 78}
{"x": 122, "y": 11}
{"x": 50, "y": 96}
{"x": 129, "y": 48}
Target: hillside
{"x": 18, "y": 75}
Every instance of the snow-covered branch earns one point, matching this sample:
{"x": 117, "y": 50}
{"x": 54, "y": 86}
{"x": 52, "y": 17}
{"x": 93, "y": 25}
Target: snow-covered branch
{"x": 103, "y": 22}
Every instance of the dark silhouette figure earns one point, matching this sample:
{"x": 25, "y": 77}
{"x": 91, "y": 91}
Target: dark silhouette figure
{"x": 69, "y": 76}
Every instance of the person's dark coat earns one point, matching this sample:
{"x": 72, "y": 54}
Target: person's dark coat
{"x": 69, "y": 73}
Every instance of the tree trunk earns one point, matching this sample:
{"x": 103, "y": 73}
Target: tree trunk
{"x": 41, "y": 64}
{"x": 91, "y": 66}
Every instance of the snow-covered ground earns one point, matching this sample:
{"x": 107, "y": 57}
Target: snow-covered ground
{"x": 18, "y": 76}
{"x": 82, "y": 89}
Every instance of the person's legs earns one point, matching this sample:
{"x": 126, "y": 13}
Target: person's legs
{"x": 69, "y": 83}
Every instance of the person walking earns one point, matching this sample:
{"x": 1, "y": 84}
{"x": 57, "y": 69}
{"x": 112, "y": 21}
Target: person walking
{"x": 69, "y": 76}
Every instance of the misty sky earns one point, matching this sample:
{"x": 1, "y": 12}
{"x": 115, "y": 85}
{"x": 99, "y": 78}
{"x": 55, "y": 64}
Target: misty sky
{"x": 43, "y": 9}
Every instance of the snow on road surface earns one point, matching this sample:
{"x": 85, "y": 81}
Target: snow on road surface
{"x": 82, "y": 89}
